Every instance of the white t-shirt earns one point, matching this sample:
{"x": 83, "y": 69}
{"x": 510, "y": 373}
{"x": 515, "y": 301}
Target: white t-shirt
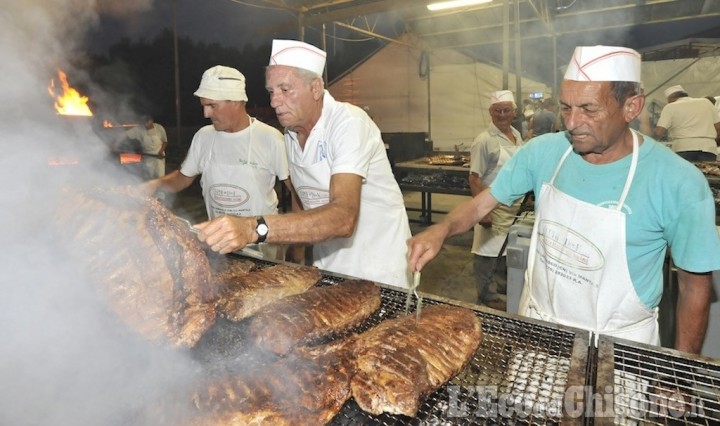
{"x": 690, "y": 124}
{"x": 346, "y": 140}
{"x": 266, "y": 154}
{"x": 150, "y": 140}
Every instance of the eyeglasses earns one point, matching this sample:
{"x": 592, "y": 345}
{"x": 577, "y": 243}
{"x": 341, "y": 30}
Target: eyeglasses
{"x": 503, "y": 111}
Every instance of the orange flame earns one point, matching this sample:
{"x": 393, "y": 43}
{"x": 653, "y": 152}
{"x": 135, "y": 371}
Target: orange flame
{"x": 70, "y": 102}
{"x": 107, "y": 124}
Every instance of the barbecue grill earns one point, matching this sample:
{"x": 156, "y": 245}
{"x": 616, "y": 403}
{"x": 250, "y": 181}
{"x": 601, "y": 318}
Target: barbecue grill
{"x": 519, "y": 374}
{"x": 652, "y": 385}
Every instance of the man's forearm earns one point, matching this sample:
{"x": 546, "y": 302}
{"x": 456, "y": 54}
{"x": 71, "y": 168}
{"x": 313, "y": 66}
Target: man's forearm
{"x": 693, "y": 309}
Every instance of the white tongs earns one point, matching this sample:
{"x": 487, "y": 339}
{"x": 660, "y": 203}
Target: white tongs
{"x": 413, "y": 290}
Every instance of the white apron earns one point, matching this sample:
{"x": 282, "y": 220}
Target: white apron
{"x": 232, "y": 189}
{"x": 360, "y": 255}
{"x": 577, "y": 267}
{"x": 489, "y": 241}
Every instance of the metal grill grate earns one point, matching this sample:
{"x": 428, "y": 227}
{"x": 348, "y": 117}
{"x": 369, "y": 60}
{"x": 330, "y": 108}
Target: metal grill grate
{"x": 656, "y": 386}
{"x": 518, "y": 375}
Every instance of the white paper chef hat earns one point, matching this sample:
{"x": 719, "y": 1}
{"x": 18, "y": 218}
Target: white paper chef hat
{"x": 604, "y": 63}
{"x": 298, "y": 54}
{"x": 222, "y": 83}
{"x": 502, "y": 96}
{"x": 674, "y": 89}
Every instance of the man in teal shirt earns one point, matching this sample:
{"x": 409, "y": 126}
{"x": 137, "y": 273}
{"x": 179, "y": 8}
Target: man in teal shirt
{"x": 609, "y": 202}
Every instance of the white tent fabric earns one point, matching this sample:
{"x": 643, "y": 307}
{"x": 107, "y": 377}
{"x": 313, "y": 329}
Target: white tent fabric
{"x": 700, "y": 77}
{"x": 394, "y": 84}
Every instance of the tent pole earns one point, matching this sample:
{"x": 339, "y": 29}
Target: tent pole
{"x": 518, "y": 56}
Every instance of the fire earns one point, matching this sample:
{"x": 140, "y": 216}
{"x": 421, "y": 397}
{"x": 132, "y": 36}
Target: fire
{"x": 70, "y": 102}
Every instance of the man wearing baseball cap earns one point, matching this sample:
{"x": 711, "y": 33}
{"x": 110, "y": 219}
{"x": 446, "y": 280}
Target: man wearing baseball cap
{"x": 490, "y": 150}
{"x": 238, "y": 156}
{"x": 609, "y": 201}
{"x": 692, "y": 125}
{"x": 353, "y": 212}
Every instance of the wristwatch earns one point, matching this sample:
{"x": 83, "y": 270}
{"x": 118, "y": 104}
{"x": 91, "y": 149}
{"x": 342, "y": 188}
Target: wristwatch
{"x": 261, "y": 229}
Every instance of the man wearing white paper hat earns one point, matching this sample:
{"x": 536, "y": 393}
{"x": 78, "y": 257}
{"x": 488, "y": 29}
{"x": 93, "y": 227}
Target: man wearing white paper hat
{"x": 239, "y": 157}
{"x": 353, "y": 212}
{"x": 609, "y": 201}
{"x": 692, "y": 125}
{"x": 490, "y": 150}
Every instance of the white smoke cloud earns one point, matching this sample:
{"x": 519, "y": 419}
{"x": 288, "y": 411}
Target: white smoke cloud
{"x": 64, "y": 360}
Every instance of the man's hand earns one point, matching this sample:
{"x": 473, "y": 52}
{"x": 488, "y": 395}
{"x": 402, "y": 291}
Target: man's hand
{"x": 226, "y": 234}
{"x": 486, "y": 222}
{"x": 423, "y": 247}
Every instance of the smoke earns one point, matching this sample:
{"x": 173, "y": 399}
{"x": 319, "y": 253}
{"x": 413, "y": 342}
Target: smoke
{"x": 65, "y": 359}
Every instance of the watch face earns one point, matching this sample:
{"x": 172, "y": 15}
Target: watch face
{"x": 262, "y": 229}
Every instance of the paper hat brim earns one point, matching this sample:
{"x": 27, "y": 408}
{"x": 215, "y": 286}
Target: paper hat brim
{"x": 502, "y": 96}
{"x": 604, "y": 63}
{"x": 298, "y": 54}
{"x": 673, "y": 89}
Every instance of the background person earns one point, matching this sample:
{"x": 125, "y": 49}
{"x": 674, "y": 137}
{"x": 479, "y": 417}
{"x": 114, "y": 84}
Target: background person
{"x": 610, "y": 202}
{"x": 353, "y": 210}
{"x": 490, "y": 150}
{"x": 692, "y": 125}
{"x": 152, "y": 139}
{"x": 544, "y": 120}
{"x": 240, "y": 158}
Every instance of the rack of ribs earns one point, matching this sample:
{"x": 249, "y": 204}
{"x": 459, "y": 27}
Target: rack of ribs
{"x": 148, "y": 267}
{"x": 247, "y": 294}
{"x": 308, "y": 387}
{"x": 319, "y": 312}
{"x": 401, "y": 361}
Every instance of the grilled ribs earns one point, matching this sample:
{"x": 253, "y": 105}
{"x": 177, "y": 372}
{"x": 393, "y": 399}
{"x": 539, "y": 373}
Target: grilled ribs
{"x": 249, "y": 293}
{"x": 319, "y": 312}
{"x": 308, "y": 387}
{"x": 400, "y": 361}
{"x": 148, "y": 266}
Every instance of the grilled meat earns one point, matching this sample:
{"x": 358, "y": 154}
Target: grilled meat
{"x": 320, "y": 311}
{"x": 249, "y": 293}
{"x": 149, "y": 267}
{"x": 307, "y": 387}
{"x": 226, "y": 269}
{"x": 401, "y": 361}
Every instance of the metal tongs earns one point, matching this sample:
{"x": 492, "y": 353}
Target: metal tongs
{"x": 245, "y": 250}
{"x": 413, "y": 290}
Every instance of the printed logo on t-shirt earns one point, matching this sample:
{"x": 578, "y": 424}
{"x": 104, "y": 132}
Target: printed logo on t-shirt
{"x": 229, "y": 196}
{"x": 312, "y": 197}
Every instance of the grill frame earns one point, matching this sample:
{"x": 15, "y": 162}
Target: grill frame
{"x": 515, "y": 356}
{"x": 638, "y": 369}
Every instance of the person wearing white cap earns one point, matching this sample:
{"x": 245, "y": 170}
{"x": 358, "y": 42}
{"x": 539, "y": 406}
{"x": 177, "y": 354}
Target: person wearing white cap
{"x": 238, "y": 157}
{"x": 609, "y": 201}
{"x": 353, "y": 210}
{"x": 691, "y": 124}
{"x": 490, "y": 150}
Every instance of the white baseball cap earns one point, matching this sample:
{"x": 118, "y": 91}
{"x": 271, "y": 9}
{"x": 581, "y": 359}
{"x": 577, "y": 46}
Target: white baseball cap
{"x": 298, "y": 54}
{"x": 502, "y": 96}
{"x": 222, "y": 83}
{"x": 604, "y": 63}
{"x": 673, "y": 89}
